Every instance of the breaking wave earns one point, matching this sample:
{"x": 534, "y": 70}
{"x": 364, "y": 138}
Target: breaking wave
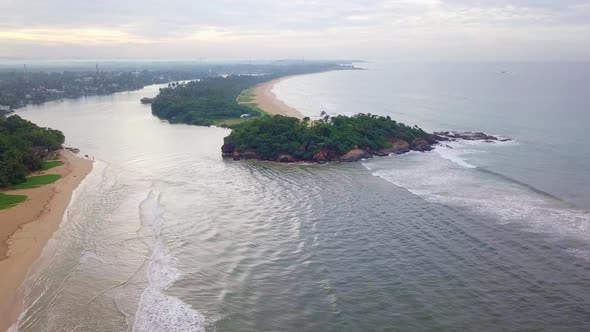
{"x": 158, "y": 311}
{"x": 445, "y": 177}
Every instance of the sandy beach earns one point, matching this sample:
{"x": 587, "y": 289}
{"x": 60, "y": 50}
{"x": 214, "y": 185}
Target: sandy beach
{"x": 268, "y": 101}
{"x": 26, "y": 228}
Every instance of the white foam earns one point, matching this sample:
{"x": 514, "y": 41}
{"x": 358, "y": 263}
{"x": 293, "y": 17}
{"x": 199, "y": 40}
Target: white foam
{"x": 459, "y": 150}
{"x": 446, "y": 181}
{"x": 455, "y": 155}
{"x": 158, "y": 311}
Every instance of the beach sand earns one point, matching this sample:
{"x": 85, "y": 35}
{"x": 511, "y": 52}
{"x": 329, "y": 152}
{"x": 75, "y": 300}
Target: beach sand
{"x": 26, "y": 228}
{"x": 265, "y": 99}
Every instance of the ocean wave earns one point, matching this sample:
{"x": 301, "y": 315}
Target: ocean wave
{"x": 457, "y": 151}
{"x": 444, "y": 178}
{"x": 452, "y": 154}
{"x": 158, "y": 311}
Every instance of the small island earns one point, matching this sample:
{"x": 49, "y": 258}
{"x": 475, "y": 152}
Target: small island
{"x": 339, "y": 138}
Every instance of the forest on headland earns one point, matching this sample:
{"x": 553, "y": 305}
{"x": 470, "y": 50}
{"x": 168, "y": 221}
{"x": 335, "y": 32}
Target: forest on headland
{"x": 339, "y": 138}
{"x": 23, "y": 146}
{"x": 210, "y": 100}
{"x": 206, "y": 101}
{"x": 214, "y": 101}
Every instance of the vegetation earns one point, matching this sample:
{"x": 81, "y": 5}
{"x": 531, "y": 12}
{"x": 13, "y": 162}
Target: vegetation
{"x": 18, "y": 88}
{"x": 8, "y": 201}
{"x": 37, "y": 181}
{"x": 23, "y": 145}
{"x": 214, "y": 100}
{"x": 205, "y": 101}
{"x": 272, "y": 137}
{"x": 49, "y": 164}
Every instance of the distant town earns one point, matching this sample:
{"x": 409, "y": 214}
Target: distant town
{"x": 18, "y": 89}
{"x": 22, "y": 86}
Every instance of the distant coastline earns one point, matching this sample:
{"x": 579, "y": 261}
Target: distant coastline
{"x": 230, "y": 100}
{"x": 26, "y": 228}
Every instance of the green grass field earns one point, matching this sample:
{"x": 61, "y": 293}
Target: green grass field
{"x": 255, "y": 108}
{"x": 49, "y": 164}
{"x": 37, "y": 181}
{"x": 246, "y": 96}
{"x": 8, "y": 201}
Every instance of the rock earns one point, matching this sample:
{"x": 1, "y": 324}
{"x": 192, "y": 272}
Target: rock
{"x": 381, "y": 153}
{"x": 236, "y": 155}
{"x": 249, "y": 154}
{"x": 466, "y": 135}
{"x": 420, "y": 144}
{"x": 286, "y": 158}
{"x": 324, "y": 156}
{"x": 399, "y": 146}
{"x": 355, "y": 155}
{"x": 73, "y": 150}
{"x": 228, "y": 148}
{"x": 440, "y": 138}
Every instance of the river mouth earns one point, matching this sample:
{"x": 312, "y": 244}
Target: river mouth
{"x": 166, "y": 235}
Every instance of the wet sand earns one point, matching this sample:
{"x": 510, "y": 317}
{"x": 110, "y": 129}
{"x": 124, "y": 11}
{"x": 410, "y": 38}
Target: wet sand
{"x": 26, "y": 228}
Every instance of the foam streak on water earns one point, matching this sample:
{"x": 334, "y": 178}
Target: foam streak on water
{"x": 446, "y": 177}
{"x": 158, "y": 311}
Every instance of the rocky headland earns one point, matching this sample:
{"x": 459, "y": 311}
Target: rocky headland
{"x": 328, "y": 153}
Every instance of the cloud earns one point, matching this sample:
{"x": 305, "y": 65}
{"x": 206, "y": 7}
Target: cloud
{"x": 269, "y": 28}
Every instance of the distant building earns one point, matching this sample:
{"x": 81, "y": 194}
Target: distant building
{"x": 243, "y": 116}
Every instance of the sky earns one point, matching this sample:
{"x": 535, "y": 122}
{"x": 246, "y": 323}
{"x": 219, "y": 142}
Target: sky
{"x": 272, "y": 29}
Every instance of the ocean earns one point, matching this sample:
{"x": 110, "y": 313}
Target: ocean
{"x": 165, "y": 235}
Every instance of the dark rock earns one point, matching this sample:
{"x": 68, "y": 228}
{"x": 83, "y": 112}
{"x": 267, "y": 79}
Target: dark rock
{"x": 466, "y": 135}
{"x": 440, "y": 138}
{"x": 324, "y": 156}
{"x": 399, "y": 146}
{"x": 420, "y": 144}
{"x": 380, "y": 153}
{"x": 286, "y": 158}
{"x": 73, "y": 150}
{"x": 236, "y": 155}
{"x": 250, "y": 154}
{"x": 355, "y": 155}
{"x": 228, "y": 148}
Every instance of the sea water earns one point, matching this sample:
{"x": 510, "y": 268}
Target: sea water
{"x": 165, "y": 235}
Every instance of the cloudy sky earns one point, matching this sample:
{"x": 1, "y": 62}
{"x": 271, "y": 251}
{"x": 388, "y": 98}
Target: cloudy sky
{"x": 264, "y": 29}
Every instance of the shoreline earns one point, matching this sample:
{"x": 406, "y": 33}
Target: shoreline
{"x": 26, "y": 228}
{"x": 268, "y": 101}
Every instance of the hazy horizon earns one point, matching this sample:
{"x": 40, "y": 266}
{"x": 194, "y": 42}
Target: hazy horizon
{"x": 420, "y": 30}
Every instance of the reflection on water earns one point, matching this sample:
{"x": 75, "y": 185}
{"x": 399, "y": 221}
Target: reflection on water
{"x": 165, "y": 235}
